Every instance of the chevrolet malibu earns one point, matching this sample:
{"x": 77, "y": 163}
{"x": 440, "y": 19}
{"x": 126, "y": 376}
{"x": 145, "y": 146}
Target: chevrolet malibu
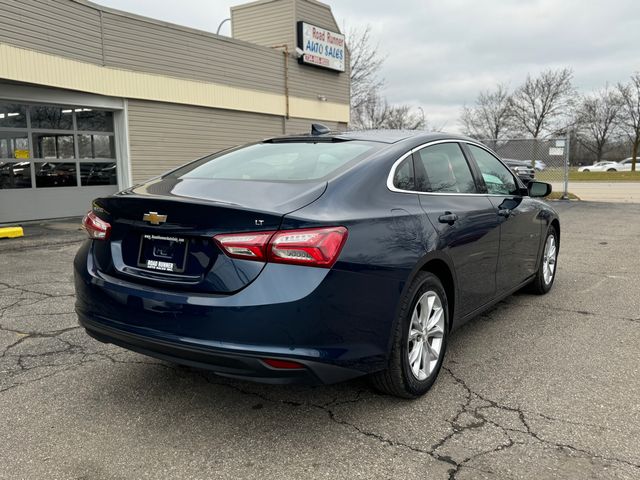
{"x": 315, "y": 258}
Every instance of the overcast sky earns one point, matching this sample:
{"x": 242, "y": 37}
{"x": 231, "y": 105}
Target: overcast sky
{"x": 439, "y": 55}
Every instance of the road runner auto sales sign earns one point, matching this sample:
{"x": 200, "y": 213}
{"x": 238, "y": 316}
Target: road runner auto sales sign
{"x": 321, "y": 47}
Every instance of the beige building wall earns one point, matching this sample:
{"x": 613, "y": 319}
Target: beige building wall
{"x": 163, "y": 136}
{"x": 189, "y": 93}
{"x": 265, "y": 23}
{"x": 81, "y": 30}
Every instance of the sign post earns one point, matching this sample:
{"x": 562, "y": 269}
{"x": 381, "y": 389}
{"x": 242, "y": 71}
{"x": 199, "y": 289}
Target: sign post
{"x": 565, "y": 190}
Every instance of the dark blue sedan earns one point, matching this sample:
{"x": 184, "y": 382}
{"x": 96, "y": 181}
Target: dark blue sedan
{"x": 315, "y": 258}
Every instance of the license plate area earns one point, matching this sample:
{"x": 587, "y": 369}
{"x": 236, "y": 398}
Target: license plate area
{"x": 163, "y": 253}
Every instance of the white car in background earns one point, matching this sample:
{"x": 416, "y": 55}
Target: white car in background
{"x": 604, "y": 166}
{"x": 626, "y": 164}
{"x": 540, "y": 165}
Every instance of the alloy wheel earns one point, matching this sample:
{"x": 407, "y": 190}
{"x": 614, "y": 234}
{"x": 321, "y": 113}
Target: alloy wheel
{"x": 549, "y": 259}
{"x": 426, "y": 332}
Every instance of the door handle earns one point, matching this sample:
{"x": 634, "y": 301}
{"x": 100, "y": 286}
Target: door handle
{"x": 448, "y": 217}
{"x": 504, "y": 212}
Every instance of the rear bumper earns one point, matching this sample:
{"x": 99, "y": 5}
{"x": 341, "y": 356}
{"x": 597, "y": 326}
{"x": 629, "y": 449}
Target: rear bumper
{"x": 336, "y": 323}
{"x": 243, "y": 366}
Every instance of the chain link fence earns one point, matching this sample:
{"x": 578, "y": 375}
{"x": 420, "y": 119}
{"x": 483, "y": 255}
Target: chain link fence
{"x": 549, "y": 157}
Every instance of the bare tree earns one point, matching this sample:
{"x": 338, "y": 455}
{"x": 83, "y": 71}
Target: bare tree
{"x": 403, "y": 117}
{"x": 630, "y": 113}
{"x": 596, "y": 118}
{"x": 368, "y": 108}
{"x": 491, "y": 115}
{"x": 371, "y": 112}
{"x": 365, "y": 61}
{"x": 376, "y": 113}
{"x": 541, "y": 102}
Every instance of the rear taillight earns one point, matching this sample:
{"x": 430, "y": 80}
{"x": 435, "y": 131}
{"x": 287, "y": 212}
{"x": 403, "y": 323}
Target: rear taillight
{"x": 248, "y": 246}
{"x": 95, "y": 227}
{"x": 316, "y": 247}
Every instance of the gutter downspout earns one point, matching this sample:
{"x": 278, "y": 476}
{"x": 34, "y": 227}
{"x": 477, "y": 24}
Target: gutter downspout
{"x": 285, "y": 51}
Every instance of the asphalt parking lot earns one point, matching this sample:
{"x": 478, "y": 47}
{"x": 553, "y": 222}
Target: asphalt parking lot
{"x": 538, "y": 387}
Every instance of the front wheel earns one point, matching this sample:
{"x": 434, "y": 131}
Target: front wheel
{"x": 612, "y": 170}
{"x": 586, "y": 170}
{"x": 546, "y": 274}
{"x": 420, "y": 340}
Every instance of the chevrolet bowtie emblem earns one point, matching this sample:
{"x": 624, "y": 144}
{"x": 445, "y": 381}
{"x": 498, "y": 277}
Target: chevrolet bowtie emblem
{"x": 153, "y": 218}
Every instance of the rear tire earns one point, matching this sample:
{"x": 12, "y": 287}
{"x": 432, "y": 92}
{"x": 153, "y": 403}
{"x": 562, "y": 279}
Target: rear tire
{"x": 586, "y": 170}
{"x": 546, "y": 274}
{"x": 612, "y": 170}
{"x": 419, "y": 340}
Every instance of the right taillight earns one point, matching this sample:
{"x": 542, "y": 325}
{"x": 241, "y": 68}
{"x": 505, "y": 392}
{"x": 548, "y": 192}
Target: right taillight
{"x": 95, "y": 227}
{"x": 315, "y": 247}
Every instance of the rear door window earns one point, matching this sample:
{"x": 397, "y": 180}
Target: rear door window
{"x": 498, "y": 178}
{"x": 404, "y": 176}
{"x": 444, "y": 169}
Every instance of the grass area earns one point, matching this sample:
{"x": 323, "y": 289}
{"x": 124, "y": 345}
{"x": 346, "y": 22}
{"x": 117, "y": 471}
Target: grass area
{"x": 556, "y": 175}
{"x": 558, "y": 196}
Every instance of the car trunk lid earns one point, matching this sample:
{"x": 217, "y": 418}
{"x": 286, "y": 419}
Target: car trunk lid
{"x": 162, "y": 231}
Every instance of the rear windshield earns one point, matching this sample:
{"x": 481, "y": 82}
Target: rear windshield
{"x": 291, "y": 161}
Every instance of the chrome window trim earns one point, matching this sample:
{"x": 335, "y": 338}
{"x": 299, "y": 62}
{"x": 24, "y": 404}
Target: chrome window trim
{"x": 395, "y": 165}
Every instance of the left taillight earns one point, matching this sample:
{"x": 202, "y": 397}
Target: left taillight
{"x": 248, "y": 246}
{"x": 315, "y": 247}
{"x": 96, "y": 228}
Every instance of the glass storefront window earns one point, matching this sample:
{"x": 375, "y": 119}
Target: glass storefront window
{"x": 50, "y": 174}
{"x": 14, "y": 145}
{"x": 13, "y": 115}
{"x": 15, "y": 175}
{"x": 51, "y": 145}
{"x": 94, "y": 120}
{"x": 98, "y": 173}
{"x": 55, "y": 118}
{"x": 39, "y": 141}
{"x": 96, "y": 146}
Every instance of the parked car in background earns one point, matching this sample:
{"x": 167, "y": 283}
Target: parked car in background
{"x": 15, "y": 175}
{"x": 522, "y": 168}
{"x": 315, "y": 258}
{"x": 604, "y": 166}
{"x": 627, "y": 162}
{"x": 540, "y": 165}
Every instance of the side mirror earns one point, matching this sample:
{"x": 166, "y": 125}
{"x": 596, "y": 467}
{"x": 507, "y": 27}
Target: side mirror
{"x": 539, "y": 189}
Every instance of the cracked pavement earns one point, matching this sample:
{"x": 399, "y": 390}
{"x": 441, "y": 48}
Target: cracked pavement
{"x": 537, "y": 387}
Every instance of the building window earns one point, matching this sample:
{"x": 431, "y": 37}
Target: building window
{"x": 12, "y": 116}
{"x": 53, "y": 145}
{"x": 45, "y": 146}
{"x": 96, "y": 146}
{"x": 15, "y": 175}
{"x": 14, "y": 145}
{"x": 52, "y": 118}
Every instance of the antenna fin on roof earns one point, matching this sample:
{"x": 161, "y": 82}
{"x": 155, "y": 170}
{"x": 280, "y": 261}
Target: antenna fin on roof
{"x": 319, "y": 129}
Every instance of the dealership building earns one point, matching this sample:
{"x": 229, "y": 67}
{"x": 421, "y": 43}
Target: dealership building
{"x": 94, "y": 100}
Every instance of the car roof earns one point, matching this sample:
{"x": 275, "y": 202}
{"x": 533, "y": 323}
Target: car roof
{"x": 381, "y": 136}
